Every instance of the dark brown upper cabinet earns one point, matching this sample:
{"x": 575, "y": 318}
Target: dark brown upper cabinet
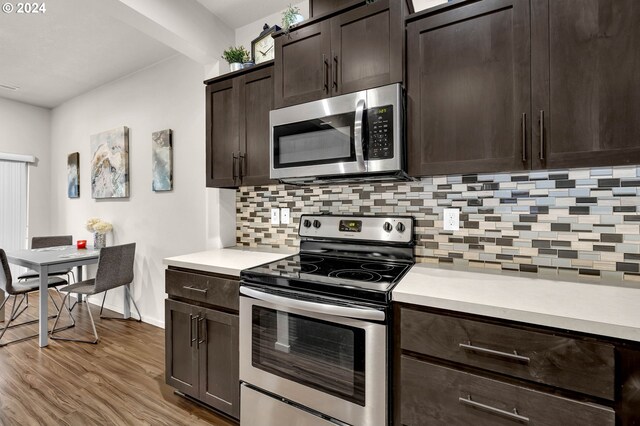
{"x": 321, "y": 7}
{"x": 586, "y": 82}
{"x": 505, "y": 85}
{"x": 468, "y": 87}
{"x": 357, "y": 49}
{"x": 237, "y": 141}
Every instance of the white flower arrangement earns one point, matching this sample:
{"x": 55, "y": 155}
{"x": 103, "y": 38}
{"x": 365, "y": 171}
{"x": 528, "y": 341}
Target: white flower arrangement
{"x": 95, "y": 224}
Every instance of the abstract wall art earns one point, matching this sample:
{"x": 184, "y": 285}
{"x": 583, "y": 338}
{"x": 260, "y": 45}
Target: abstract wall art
{"x": 73, "y": 175}
{"x": 162, "y": 160}
{"x": 110, "y": 164}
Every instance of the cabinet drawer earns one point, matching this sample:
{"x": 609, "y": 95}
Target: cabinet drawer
{"x": 209, "y": 289}
{"x": 435, "y": 395}
{"x": 577, "y": 365}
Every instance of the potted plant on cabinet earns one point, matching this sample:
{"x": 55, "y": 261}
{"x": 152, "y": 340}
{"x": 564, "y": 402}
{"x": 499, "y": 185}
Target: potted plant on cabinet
{"x": 234, "y": 56}
{"x": 290, "y": 17}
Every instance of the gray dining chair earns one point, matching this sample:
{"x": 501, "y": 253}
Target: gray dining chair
{"x": 46, "y": 242}
{"x": 20, "y": 290}
{"x": 115, "y": 269}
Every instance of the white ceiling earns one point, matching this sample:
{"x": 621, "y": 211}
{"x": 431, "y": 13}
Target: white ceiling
{"x": 70, "y": 49}
{"x": 78, "y": 45}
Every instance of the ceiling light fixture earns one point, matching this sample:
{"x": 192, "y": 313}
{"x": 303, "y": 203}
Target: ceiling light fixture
{"x": 8, "y": 86}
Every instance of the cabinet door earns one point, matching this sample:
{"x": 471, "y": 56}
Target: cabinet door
{"x": 256, "y": 100}
{"x": 222, "y": 133}
{"x": 320, "y": 7}
{"x": 367, "y": 47}
{"x": 302, "y": 65}
{"x": 469, "y": 89}
{"x": 181, "y": 355}
{"x": 586, "y": 82}
{"x": 435, "y": 395}
{"x": 219, "y": 368}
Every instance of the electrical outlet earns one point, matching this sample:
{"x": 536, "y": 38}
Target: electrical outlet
{"x": 451, "y": 219}
{"x": 284, "y": 216}
{"x": 275, "y": 216}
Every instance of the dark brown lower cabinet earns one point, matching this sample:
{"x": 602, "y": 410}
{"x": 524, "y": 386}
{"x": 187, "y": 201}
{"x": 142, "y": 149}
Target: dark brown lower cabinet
{"x": 201, "y": 351}
{"x": 437, "y": 395}
{"x": 460, "y": 369}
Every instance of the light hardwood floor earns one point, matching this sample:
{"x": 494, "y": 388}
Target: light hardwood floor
{"x": 119, "y": 381}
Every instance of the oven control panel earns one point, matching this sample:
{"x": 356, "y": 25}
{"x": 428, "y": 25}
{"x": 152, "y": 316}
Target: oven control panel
{"x": 398, "y": 229}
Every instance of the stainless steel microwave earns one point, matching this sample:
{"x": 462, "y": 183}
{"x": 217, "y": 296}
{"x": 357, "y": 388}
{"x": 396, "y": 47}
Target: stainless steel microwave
{"x": 352, "y": 137}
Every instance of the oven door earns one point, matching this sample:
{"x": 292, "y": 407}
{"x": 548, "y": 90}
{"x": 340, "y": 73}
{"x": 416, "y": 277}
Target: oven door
{"x": 331, "y": 359}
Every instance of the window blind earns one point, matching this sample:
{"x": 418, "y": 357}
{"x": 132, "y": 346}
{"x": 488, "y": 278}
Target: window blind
{"x": 13, "y": 206}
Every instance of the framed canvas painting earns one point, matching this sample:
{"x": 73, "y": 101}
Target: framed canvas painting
{"x": 162, "y": 160}
{"x": 73, "y": 175}
{"x": 110, "y": 164}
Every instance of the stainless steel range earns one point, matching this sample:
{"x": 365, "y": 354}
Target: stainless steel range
{"x": 315, "y": 326}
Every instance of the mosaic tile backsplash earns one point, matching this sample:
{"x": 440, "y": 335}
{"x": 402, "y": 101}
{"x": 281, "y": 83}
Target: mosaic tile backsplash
{"x": 577, "y": 222}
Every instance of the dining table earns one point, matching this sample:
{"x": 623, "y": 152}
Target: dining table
{"x": 55, "y": 259}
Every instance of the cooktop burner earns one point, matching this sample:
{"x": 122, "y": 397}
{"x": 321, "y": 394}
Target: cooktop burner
{"x": 338, "y": 271}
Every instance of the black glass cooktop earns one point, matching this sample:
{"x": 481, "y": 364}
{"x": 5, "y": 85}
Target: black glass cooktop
{"x": 328, "y": 274}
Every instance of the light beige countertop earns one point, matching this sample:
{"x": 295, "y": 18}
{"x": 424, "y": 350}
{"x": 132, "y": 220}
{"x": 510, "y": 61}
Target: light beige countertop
{"x": 606, "y": 310}
{"x": 227, "y": 261}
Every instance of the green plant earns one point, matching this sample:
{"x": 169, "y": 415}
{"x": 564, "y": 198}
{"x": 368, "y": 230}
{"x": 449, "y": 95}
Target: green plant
{"x": 235, "y": 54}
{"x": 289, "y": 17}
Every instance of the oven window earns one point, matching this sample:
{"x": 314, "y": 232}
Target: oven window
{"x": 320, "y": 141}
{"x": 322, "y": 355}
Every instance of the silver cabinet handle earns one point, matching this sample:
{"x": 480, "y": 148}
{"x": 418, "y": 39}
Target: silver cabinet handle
{"x": 325, "y": 64}
{"x": 320, "y": 308}
{"x": 242, "y": 159}
{"x": 524, "y": 137}
{"x": 233, "y": 166}
{"x": 359, "y": 136}
{"x": 493, "y": 410}
{"x": 335, "y": 72}
{"x": 199, "y": 290}
{"x": 191, "y": 339}
{"x": 512, "y": 356}
{"x": 541, "y": 135}
{"x": 204, "y": 338}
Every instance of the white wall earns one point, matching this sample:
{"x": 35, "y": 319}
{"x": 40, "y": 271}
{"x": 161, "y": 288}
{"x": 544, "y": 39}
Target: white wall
{"x": 25, "y": 129}
{"x": 168, "y": 95}
{"x": 245, "y": 34}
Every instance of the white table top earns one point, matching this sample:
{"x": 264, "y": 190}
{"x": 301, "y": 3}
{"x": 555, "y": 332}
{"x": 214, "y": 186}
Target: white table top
{"x": 34, "y": 258}
{"x": 606, "y": 310}
{"x": 227, "y": 261}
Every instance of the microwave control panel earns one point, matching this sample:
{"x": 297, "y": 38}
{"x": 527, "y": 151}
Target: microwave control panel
{"x": 380, "y": 126}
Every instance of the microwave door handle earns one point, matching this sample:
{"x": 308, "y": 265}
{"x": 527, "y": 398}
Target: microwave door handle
{"x": 318, "y": 308}
{"x": 358, "y": 133}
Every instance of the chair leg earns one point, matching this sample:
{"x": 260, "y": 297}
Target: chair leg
{"x": 126, "y": 289}
{"x": 25, "y": 298}
{"x": 73, "y": 321}
{"x": 15, "y": 314}
{"x": 11, "y": 318}
{"x": 93, "y": 325}
{"x": 69, "y": 275}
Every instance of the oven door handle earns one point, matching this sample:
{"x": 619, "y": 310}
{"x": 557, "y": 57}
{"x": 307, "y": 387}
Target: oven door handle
{"x": 358, "y": 135}
{"x": 319, "y": 308}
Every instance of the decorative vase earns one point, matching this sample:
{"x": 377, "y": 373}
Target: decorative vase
{"x": 99, "y": 240}
{"x": 235, "y": 66}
